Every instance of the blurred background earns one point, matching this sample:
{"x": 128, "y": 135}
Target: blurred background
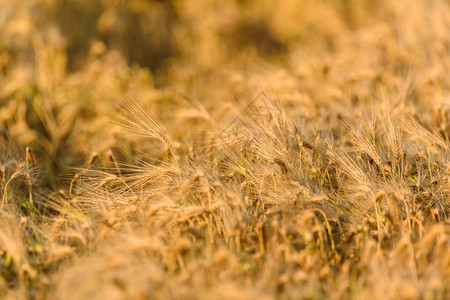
{"x": 66, "y": 65}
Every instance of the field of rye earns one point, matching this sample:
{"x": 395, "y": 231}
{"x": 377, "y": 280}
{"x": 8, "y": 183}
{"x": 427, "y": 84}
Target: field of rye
{"x": 187, "y": 149}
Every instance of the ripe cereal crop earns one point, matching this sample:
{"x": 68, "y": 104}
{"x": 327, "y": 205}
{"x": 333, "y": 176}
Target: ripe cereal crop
{"x": 224, "y": 149}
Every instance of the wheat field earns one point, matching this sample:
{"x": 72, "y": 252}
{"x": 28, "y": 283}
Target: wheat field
{"x": 225, "y": 149}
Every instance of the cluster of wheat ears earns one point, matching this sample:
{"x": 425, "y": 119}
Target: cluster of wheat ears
{"x": 318, "y": 171}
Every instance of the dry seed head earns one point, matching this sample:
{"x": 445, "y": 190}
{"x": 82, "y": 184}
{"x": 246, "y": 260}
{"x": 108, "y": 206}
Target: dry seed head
{"x": 23, "y": 223}
{"x": 282, "y": 165}
{"x": 30, "y": 158}
{"x": 144, "y": 123}
{"x": 94, "y": 156}
{"x": 379, "y": 196}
